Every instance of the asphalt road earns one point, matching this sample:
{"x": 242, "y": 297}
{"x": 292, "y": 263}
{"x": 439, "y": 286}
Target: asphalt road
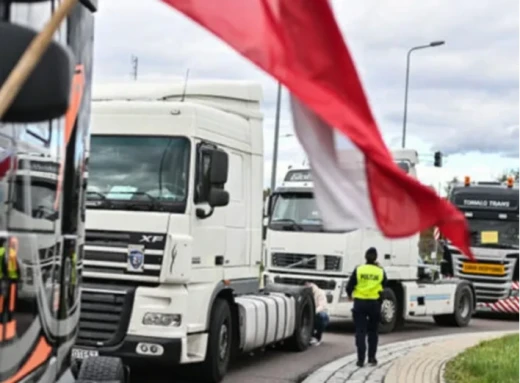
{"x": 277, "y": 366}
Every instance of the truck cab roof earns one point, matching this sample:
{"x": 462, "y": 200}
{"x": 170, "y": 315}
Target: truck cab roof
{"x": 239, "y": 97}
{"x": 227, "y": 110}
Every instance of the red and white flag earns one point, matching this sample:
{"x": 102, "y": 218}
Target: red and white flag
{"x": 299, "y": 43}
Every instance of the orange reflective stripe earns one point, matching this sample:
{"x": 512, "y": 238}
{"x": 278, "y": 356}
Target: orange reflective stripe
{"x": 12, "y": 298}
{"x": 1, "y": 303}
{"x": 78, "y": 84}
{"x": 10, "y": 331}
{"x": 40, "y": 354}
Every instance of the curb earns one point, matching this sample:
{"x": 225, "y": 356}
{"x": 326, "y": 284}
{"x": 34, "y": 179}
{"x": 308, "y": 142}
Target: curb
{"x": 326, "y": 371}
{"x": 443, "y": 370}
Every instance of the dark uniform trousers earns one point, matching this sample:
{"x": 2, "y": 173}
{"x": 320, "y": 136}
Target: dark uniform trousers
{"x": 367, "y": 313}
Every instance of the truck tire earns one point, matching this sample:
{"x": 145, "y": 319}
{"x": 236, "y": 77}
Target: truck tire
{"x": 304, "y": 326}
{"x": 389, "y": 311}
{"x": 463, "y": 308}
{"x": 218, "y": 353}
{"x": 101, "y": 369}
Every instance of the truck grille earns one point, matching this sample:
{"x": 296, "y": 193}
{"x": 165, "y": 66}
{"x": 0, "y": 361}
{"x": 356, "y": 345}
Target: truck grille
{"x": 488, "y": 288}
{"x": 306, "y": 261}
{"x": 106, "y": 257}
{"x": 333, "y": 263}
{"x": 294, "y": 261}
{"x": 104, "y": 317}
{"x": 321, "y": 283}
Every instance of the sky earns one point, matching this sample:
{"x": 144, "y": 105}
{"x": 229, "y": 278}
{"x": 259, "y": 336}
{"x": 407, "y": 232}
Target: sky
{"x": 463, "y": 96}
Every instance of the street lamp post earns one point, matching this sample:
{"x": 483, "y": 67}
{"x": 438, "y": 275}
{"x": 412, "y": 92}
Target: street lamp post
{"x": 430, "y": 45}
{"x": 276, "y": 136}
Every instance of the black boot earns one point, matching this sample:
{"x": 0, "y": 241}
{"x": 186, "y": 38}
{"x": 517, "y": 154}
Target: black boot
{"x": 360, "y": 363}
{"x": 372, "y": 361}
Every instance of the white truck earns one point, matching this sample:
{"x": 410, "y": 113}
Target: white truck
{"x": 298, "y": 249}
{"x": 32, "y": 206}
{"x": 170, "y": 270}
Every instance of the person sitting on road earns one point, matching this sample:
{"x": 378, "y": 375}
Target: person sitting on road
{"x": 321, "y": 319}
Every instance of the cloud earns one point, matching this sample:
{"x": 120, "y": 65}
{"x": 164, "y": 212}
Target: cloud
{"x": 463, "y": 96}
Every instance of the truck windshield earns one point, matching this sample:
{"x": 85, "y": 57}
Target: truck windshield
{"x": 499, "y": 234}
{"x": 295, "y": 212}
{"x": 138, "y": 173}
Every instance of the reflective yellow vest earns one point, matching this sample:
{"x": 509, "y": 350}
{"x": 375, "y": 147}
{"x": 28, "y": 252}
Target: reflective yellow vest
{"x": 369, "y": 282}
{"x": 74, "y": 270}
{"x": 12, "y": 267}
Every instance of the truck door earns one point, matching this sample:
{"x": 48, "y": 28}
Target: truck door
{"x": 209, "y": 225}
{"x": 374, "y": 238}
{"x": 238, "y": 237}
{"x": 402, "y": 250}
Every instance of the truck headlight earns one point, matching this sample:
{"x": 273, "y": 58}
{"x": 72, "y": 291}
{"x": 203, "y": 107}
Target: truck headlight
{"x": 513, "y": 293}
{"x": 160, "y": 319}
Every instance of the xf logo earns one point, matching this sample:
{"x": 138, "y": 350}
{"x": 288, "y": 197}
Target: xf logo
{"x": 151, "y": 238}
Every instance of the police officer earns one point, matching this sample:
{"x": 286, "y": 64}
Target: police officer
{"x": 365, "y": 286}
{"x": 8, "y": 289}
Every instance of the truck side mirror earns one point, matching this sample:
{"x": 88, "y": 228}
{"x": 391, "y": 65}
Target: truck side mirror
{"x": 270, "y": 204}
{"x": 45, "y": 95}
{"x": 218, "y": 197}
{"x": 219, "y": 167}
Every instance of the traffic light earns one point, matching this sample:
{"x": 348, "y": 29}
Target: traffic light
{"x": 437, "y": 159}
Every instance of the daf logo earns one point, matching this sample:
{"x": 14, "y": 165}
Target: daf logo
{"x": 151, "y": 238}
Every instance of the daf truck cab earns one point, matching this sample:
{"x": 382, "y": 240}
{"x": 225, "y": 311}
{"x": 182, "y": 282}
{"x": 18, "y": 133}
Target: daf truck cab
{"x": 298, "y": 249}
{"x": 174, "y": 230}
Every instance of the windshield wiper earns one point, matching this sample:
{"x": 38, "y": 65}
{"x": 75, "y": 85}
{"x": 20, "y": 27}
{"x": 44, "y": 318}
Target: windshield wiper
{"x": 45, "y": 212}
{"x": 293, "y": 224}
{"x": 153, "y": 202}
{"x": 100, "y": 195}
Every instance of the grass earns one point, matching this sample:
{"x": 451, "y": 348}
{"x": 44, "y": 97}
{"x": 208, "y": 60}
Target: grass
{"x": 494, "y": 361}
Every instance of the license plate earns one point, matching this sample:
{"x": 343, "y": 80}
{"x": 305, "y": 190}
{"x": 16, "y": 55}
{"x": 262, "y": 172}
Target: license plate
{"x": 483, "y": 268}
{"x": 79, "y": 353}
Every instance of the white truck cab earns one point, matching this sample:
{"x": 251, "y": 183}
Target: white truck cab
{"x": 33, "y": 195}
{"x": 299, "y": 249}
{"x": 174, "y": 219}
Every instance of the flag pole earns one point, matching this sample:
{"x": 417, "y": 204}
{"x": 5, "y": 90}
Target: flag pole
{"x": 32, "y": 56}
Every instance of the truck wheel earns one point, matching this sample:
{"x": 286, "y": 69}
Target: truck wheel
{"x": 101, "y": 369}
{"x": 304, "y": 326}
{"x": 219, "y": 343}
{"x": 389, "y": 312}
{"x": 463, "y": 309}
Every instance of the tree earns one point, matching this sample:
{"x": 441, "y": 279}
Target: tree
{"x": 508, "y": 173}
{"x": 267, "y": 193}
{"x": 426, "y": 243}
{"x": 449, "y": 185}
